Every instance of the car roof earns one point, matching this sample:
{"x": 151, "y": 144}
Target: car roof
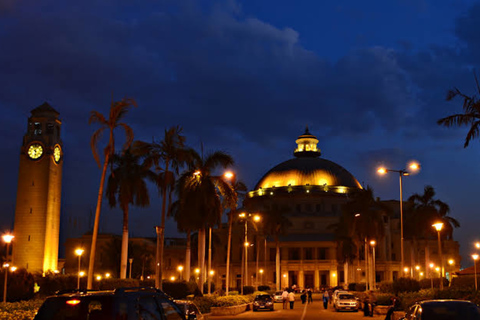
{"x": 113, "y": 292}
{"x": 433, "y": 301}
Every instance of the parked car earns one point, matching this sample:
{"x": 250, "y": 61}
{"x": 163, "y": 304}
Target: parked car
{"x": 263, "y": 301}
{"x": 122, "y": 303}
{"x": 277, "y": 296}
{"x": 190, "y": 309}
{"x": 346, "y": 301}
{"x": 443, "y": 310}
{"x": 336, "y": 293}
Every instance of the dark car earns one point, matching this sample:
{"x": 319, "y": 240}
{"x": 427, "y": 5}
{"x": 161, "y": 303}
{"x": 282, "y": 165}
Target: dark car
{"x": 190, "y": 309}
{"x": 443, "y": 310}
{"x": 263, "y": 302}
{"x": 122, "y": 303}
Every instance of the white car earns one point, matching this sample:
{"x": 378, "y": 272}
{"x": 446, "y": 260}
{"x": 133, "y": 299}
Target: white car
{"x": 277, "y": 296}
{"x": 345, "y": 301}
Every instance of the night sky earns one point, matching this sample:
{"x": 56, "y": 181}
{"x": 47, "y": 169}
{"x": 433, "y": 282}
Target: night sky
{"x": 369, "y": 78}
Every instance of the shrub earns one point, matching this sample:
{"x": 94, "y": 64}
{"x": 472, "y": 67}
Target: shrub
{"x": 264, "y": 288}
{"x": 385, "y": 287}
{"x": 248, "y": 290}
{"x": 20, "y": 285}
{"x": 177, "y": 290}
{"x": 233, "y": 293}
{"x": 427, "y": 283}
{"x": 360, "y": 287}
{"x": 405, "y": 285}
{"x": 20, "y": 310}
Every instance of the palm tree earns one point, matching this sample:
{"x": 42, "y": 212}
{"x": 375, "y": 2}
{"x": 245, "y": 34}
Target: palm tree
{"x": 276, "y": 224}
{"x": 203, "y": 196}
{"x": 126, "y": 185}
{"x": 470, "y": 116}
{"x": 118, "y": 110}
{"x": 169, "y": 153}
{"x": 363, "y": 217}
{"x": 426, "y": 210}
{"x": 239, "y": 188}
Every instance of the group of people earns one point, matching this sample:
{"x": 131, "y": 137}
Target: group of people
{"x": 306, "y": 296}
{"x": 288, "y": 296}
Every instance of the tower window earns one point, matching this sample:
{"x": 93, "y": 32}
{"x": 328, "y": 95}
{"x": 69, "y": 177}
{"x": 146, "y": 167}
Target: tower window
{"x": 50, "y": 128}
{"x": 28, "y": 237}
{"x": 38, "y": 128}
{"x": 30, "y": 210}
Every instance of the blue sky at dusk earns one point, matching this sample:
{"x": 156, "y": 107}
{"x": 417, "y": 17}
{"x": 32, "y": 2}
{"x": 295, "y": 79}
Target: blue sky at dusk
{"x": 369, "y": 78}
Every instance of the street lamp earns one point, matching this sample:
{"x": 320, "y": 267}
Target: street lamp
{"x": 431, "y": 265}
{"x": 418, "y": 269}
{"x": 246, "y": 244}
{"x": 79, "y": 253}
{"x": 413, "y": 166}
{"x": 7, "y": 238}
{"x": 438, "y": 226}
{"x": 261, "y": 275}
{"x": 180, "y": 270}
{"x": 130, "y": 260}
{"x": 373, "y": 243}
{"x": 475, "y": 257}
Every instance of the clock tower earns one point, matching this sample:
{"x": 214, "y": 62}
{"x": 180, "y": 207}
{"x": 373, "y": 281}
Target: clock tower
{"x": 37, "y": 211}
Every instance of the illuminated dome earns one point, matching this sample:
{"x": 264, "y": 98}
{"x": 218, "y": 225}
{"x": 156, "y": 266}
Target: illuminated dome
{"x": 308, "y": 169}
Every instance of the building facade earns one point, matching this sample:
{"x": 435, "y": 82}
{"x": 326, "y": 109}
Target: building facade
{"x": 311, "y": 191}
{"x": 37, "y": 211}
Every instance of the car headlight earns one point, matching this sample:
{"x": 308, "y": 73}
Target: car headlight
{"x": 269, "y": 302}
{"x": 255, "y": 303}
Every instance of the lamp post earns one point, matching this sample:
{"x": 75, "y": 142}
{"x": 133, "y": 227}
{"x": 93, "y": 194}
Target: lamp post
{"x": 7, "y": 238}
{"x": 450, "y": 263}
{"x": 430, "y": 272}
{"x": 475, "y": 257}
{"x": 261, "y": 276}
{"x": 372, "y": 244}
{"x": 438, "y": 226}
{"x": 130, "y": 260}
{"x": 246, "y": 244}
{"x": 79, "y": 253}
{"x": 413, "y": 167}
{"x": 231, "y": 177}
{"x": 180, "y": 271}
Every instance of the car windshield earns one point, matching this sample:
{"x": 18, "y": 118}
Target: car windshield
{"x": 450, "y": 310}
{"x": 278, "y": 293}
{"x": 346, "y": 296}
{"x": 76, "y": 308}
{"x": 262, "y": 297}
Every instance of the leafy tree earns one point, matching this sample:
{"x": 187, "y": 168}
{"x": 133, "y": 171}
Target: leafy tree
{"x": 166, "y": 156}
{"x": 470, "y": 116}
{"x": 126, "y": 185}
{"x": 118, "y": 110}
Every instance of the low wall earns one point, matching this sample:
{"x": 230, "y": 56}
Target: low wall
{"x": 229, "y": 311}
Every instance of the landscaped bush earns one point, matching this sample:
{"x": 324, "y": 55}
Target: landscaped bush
{"x": 212, "y": 287}
{"x": 384, "y": 299}
{"x": 427, "y": 283}
{"x": 19, "y": 285}
{"x": 205, "y": 303}
{"x": 24, "y": 310}
{"x": 110, "y": 284}
{"x": 464, "y": 282}
{"x": 51, "y": 283}
{"x": 405, "y": 285}
{"x": 385, "y": 287}
{"x": 263, "y": 288}
{"x": 233, "y": 293}
{"x": 357, "y": 286}
{"x": 248, "y": 290}
{"x": 177, "y": 290}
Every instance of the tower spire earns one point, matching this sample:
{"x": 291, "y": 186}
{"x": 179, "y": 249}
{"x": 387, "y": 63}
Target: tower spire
{"x": 307, "y": 145}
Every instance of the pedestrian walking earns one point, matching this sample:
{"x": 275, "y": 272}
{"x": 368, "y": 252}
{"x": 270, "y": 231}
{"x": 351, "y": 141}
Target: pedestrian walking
{"x": 291, "y": 298}
{"x": 309, "y": 295}
{"x": 392, "y": 308}
{"x": 303, "y": 296}
{"x": 326, "y": 297}
{"x": 366, "y": 306}
{"x": 285, "y": 298}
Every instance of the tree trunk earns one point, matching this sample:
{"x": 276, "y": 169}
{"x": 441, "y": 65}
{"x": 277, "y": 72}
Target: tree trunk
{"x": 201, "y": 257}
{"x": 277, "y": 263}
{"x": 229, "y": 248}
{"x": 188, "y": 257}
{"x": 124, "y": 254}
{"x": 209, "y": 278}
{"x": 161, "y": 235}
{"x": 91, "y": 263}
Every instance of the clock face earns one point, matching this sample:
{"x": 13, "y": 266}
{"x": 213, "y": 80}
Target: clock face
{"x": 35, "y": 151}
{"x": 57, "y": 153}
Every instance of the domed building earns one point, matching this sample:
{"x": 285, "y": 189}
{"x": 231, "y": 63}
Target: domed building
{"x": 310, "y": 192}
{"x": 304, "y": 198}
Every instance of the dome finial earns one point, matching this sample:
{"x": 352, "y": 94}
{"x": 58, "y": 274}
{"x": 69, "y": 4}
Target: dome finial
{"x": 307, "y": 145}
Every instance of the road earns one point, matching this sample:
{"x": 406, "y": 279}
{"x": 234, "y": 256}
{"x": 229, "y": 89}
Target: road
{"x": 313, "y": 311}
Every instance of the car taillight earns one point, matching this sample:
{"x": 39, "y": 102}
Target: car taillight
{"x": 73, "y": 302}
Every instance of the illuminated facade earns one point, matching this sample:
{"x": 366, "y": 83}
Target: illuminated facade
{"x": 311, "y": 192}
{"x": 37, "y": 211}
